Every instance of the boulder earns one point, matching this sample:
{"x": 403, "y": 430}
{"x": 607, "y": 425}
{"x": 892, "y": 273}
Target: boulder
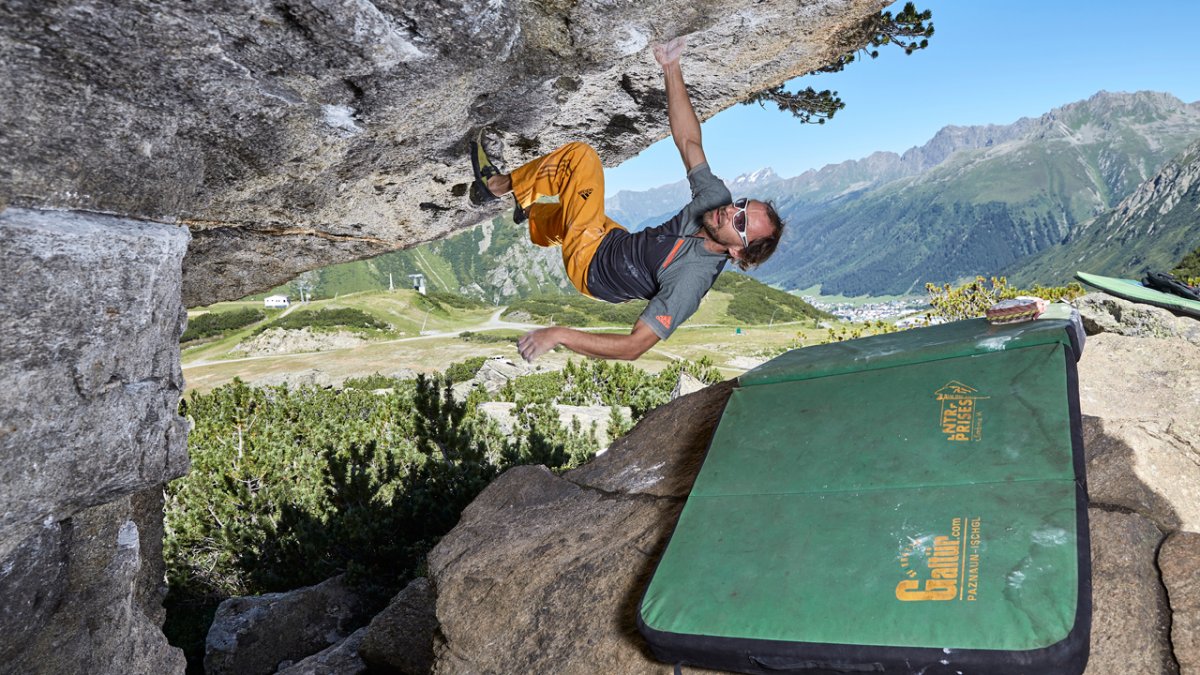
{"x": 495, "y": 372}
{"x": 103, "y": 612}
{"x": 339, "y": 659}
{"x": 1130, "y": 616}
{"x": 255, "y": 634}
{"x": 1103, "y": 313}
{"x": 1141, "y": 433}
{"x": 542, "y": 573}
{"x": 400, "y": 638}
{"x": 686, "y": 384}
{"x": 91, "y": 379}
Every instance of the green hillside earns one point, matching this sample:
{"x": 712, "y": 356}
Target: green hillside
{"x": 1152, "y": 230}
{"x": 490, "y": 262}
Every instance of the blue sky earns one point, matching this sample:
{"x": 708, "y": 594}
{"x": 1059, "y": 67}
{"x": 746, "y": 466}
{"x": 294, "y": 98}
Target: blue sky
{"x": 989, "y": 62}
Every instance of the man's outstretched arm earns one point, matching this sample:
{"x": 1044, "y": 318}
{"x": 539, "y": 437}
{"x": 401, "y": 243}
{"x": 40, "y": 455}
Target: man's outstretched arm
{"x": 685, "y": 126}
{"x": 600, "y": 345}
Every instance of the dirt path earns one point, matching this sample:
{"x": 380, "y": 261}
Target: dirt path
{"x": 493, "y": 323}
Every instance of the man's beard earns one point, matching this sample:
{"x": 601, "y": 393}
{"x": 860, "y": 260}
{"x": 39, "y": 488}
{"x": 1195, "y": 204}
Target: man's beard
{"x": 709, "y": 228}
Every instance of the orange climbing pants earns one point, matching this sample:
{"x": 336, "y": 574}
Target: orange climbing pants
{"x": 572, "y": 173}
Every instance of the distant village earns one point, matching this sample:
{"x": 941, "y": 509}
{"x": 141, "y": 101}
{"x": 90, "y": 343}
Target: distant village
{"x": 909, "y": 309}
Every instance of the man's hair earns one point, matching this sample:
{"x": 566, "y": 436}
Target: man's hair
{"x": 757, "y": 252}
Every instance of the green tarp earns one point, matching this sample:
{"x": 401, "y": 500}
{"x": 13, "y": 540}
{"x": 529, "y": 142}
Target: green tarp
{"x": 1131, "y": 289}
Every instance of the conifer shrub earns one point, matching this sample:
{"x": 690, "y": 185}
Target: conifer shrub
{"x": 486, "y": 338}
{"x": 1188, "y": 269}
{"x": 215, "y": 323}
{"x": 972, "y": 299}
{"x": 596, "y": 382}
{"x": 461, "y": 371}
{"x": 289, "y": 487}
{"x": 376, "y": 381}
{"x": 342, "y": 317}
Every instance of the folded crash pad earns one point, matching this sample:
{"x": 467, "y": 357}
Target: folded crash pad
{"x": 910, "y": 502}
{"x": 1134, "y": 291}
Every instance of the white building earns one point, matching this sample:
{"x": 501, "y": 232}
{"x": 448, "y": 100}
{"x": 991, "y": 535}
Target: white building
{"x": 276, "y": 302}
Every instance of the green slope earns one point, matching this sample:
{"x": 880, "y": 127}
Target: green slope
{"x": 1152, "y": 230}
{"x": 490, "y": 262}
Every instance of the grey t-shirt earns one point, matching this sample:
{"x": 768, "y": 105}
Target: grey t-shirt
{"x": 667, "y": 264}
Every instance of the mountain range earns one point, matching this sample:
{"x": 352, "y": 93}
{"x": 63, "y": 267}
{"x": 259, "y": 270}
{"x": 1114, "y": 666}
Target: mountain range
{"x": 1102, "y": 185}
{"x": 977, "y": 199}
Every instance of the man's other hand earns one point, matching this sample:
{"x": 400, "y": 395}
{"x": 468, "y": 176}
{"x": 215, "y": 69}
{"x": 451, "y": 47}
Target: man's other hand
{"x": 669, "y": 52}
{"x": 537, "y": 342}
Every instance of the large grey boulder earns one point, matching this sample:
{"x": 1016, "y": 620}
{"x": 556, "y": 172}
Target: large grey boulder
{"x": 283, "y": 136}
{"x": 1130, "y": 616}
{"x": 91, "y": 378}
{"x": 292, "y": 135}
{"x": 255, "y": 634}
{"x": 1141, "y": 433}
{"x": 88, "y": 396}
{"x": 542, "y": 572}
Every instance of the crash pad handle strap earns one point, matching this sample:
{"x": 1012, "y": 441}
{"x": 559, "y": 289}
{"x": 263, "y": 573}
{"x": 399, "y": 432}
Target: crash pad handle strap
{"x": 788, "y": 664}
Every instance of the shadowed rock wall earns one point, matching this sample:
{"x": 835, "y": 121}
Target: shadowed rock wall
{"x": 295, "y": 134}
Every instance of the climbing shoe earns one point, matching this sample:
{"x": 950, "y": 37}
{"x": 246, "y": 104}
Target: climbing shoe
{"x": 483, "y": 169}
{"x": 482, "y": 166}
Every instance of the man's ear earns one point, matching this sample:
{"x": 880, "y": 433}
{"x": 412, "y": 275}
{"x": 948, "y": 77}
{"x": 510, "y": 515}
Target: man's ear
{"x": 735, "y": 252}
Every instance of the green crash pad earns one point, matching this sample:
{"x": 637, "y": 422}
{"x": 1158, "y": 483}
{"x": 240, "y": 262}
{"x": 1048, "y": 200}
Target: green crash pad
{"x": 897, "y": 503}
{"x": 1134, "y": 291}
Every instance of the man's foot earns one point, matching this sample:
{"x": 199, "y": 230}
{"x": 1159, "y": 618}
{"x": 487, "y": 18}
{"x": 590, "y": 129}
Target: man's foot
{"x": 483, "y": 169}
{"x": 486, "y": 174}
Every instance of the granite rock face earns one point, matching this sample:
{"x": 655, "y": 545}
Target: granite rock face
{"x": 88, "y": 434}
{"x": 542, "y": 573}
{"x": 1130, "y": 617}
{"x": 91, "y": 381}
{"x": 339, "y": 659}
{"x": 292, "y": 135}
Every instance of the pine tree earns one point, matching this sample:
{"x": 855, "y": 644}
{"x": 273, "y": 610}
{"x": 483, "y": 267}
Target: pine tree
{"x": 910, "y": 30}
